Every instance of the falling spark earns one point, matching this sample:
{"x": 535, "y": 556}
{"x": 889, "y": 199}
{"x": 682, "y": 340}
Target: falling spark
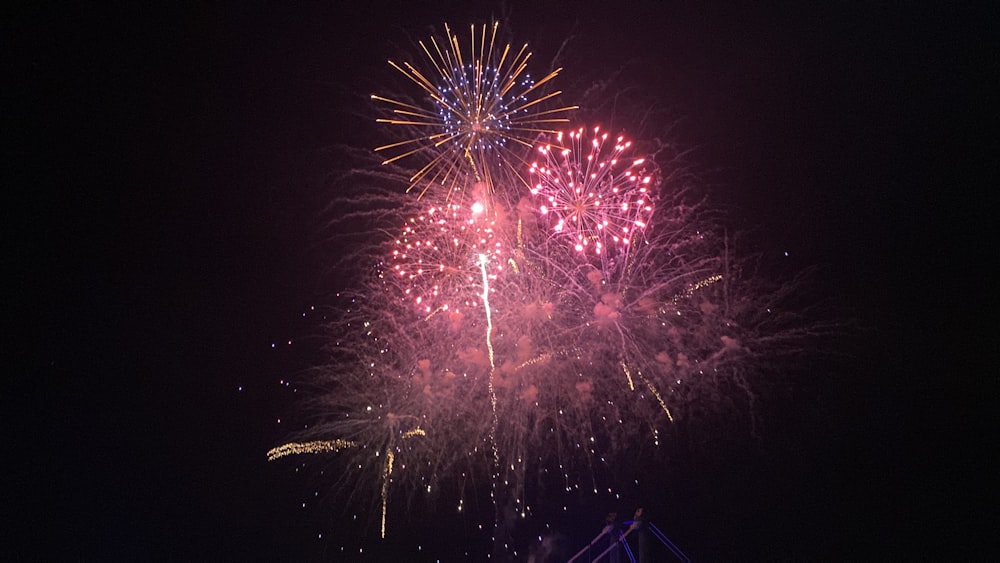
{"x": 389, "y": 458}
{"x": 628, "y": 376}
{"x": 315, "y": 447}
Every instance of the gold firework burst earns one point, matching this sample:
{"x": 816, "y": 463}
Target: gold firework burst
{"x": 481, "y": 111}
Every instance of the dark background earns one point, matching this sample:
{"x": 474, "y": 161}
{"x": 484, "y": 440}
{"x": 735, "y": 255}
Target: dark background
{"x": 165, "y": 171}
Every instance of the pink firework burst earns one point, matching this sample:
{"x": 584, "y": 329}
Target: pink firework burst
{"x": 590, "y": 193}
{"x": 437, "y": 259}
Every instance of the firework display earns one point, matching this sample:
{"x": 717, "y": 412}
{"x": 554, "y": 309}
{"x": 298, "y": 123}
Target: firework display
{"x": 479, "y": 109}
{"x": 545, "y": 305}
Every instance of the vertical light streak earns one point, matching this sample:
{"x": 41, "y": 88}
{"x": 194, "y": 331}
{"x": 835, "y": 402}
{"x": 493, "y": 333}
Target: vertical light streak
{"x": 489, "y": 320}
{"x": 389, "y": 458}
{"x": 493, "y": 395}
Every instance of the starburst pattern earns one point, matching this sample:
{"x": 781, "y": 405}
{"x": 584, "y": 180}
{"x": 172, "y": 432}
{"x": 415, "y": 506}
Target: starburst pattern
{"x": 591, "y": 193}
{"x": 435, "y": 260}
{"x": 481, "y": 108}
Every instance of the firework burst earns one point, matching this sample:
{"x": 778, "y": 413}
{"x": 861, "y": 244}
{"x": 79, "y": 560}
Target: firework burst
{"x": 436, "y": 262}
{"x": 480, "y": 108}
{"x": 591, "y": 193}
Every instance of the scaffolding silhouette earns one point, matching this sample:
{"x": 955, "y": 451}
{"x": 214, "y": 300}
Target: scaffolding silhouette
{"x": 586, "y": 554}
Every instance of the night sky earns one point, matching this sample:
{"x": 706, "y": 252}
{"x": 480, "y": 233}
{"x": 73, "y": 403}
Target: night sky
{"x": 167, "y": 171}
